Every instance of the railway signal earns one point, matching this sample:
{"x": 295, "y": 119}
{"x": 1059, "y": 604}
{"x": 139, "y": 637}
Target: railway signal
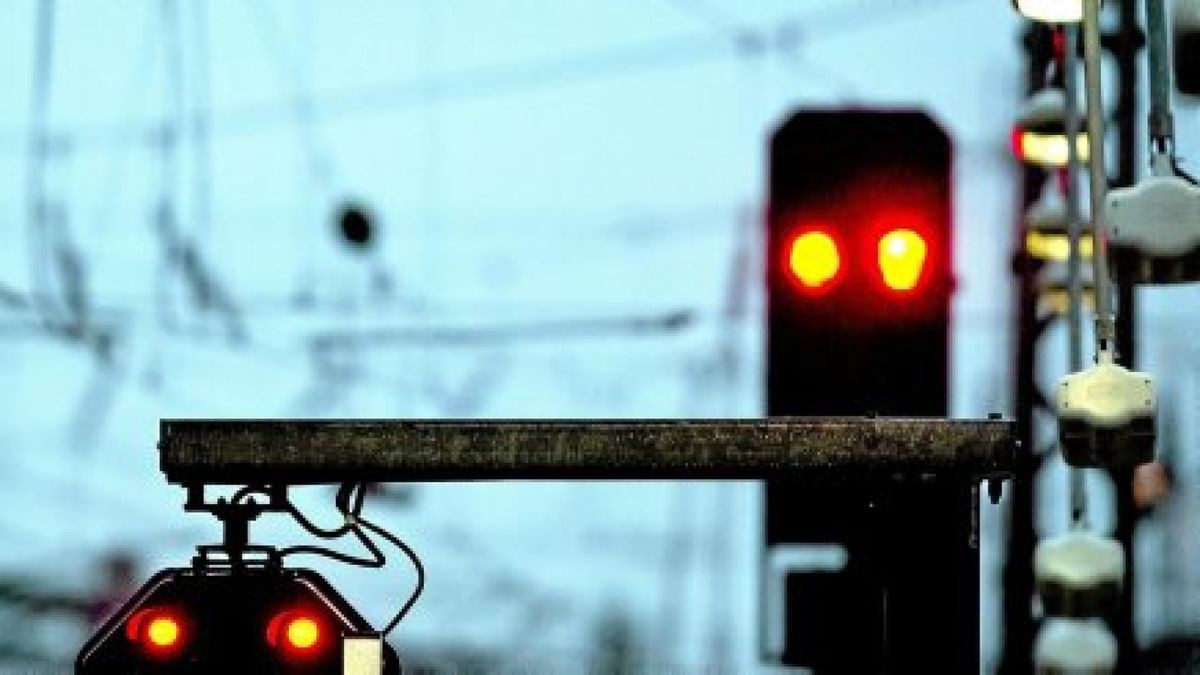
{"x": 859, "y": 269}
{"x": 859, "y": 283}
{"x": 239, "y": 608}
{"x": 205, "y": 620}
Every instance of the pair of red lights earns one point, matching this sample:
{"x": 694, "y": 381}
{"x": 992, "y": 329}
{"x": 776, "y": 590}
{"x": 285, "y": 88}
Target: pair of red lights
{"x": 815, "y": 259}
{"x": 163, "y": 632}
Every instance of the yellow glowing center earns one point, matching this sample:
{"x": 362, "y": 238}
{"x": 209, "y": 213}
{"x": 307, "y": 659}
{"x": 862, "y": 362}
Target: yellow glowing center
{"x": 901, "y": 259}
{"x": 303, "y": 633}
{"x": 163, "y": 631}
{"x": 814, "y": 259}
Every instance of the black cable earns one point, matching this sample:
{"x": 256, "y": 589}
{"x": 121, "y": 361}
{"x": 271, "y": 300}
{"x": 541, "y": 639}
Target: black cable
{"x": 314, "y": 529}
{"x": 360, "y": 498}
{"x": 242, "y": 493}
{"x": 349, "y": 500}
{"x": 376, "y": 561}
{"x": 344, "y": 495}
{"x": 417, "y": 566}
{"x": 349, "y": 504}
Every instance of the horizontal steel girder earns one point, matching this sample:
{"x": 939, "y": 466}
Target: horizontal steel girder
{"x": 335, "y": 451}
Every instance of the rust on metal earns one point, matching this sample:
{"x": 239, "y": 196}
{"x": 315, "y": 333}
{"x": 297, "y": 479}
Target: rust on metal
{"x": 334, "y": 451}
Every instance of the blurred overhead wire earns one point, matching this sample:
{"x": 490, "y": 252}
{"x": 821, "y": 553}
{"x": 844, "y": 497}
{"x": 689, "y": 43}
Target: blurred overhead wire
{"x": 566, "y": 70}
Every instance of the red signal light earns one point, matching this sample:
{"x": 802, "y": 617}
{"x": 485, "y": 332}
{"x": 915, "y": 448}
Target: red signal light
{"x": 902, "y": 255}
{"x": 163, "y": 632}
{"x": 303, "y": 633}
{"x": 159, "y": 631}
{"x": 814, "y": 260}
{"x": 296, "y": 632}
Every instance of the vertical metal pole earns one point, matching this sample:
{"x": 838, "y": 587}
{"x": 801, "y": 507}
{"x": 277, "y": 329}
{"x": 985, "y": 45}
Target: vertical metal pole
{"x": 1128, "y": 42}
{"x": 1076, "y": 486}
{"x": 1105, "y": 328}
{"x": 1018, "y": 582}
{"x": 1161, "y": 121}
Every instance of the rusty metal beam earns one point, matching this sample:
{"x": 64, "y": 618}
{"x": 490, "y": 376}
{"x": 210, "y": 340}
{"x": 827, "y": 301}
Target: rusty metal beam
{"x": 334, "y": 451}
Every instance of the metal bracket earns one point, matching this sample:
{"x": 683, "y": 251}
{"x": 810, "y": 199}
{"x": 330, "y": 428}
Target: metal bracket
{"x": 235, "y": 516}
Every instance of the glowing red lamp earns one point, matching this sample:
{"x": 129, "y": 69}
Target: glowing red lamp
{"x": 814, "y": 260}
{"x": 902, "y": 255}
{"x": 157, "y": 630}
{"x": 295, "y": 632}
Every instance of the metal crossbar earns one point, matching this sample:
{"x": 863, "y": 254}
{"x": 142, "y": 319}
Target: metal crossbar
{"x": 334, "y": 451}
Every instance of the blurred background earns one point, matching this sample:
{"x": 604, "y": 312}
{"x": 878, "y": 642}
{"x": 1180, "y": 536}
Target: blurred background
{"x": 475, "y": 208}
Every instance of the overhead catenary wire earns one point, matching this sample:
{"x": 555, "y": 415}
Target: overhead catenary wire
{"x": 38, "y": 151}
{"x": 166, "y": 142}
{"x": 57, "y": 271}
{"x": 294, "y": 76}
{"x": 720, "y": 21}
{"x": 568, "y": 70}
{"x": 201, "y": 135}
{"x": 136, "y": 96}
{"x": 580, "y": 328}
{"x": 431, "y": 202}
